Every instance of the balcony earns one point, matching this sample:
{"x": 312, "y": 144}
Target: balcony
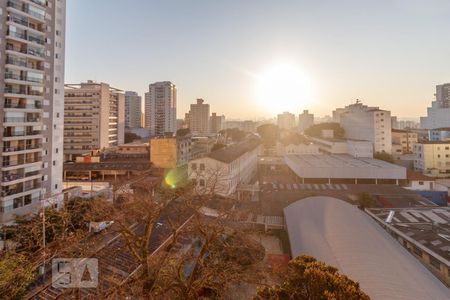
{"x": 25, "y": 9}
{"x": 24, "y": 22}
{"x": 26, "y": 50}
{"x": 18, "y": 105}
{"x": 19, "y": 77}
{"x": 22, "y": 133}
{"x": 9, "y": 149}
{"x": 19, "y": 162}
{"x": 21, "y": 120}
{"x": 18, "y": 91}
{"x": 23, "y": 63}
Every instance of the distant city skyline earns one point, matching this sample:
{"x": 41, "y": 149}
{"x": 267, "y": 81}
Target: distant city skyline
{"x": 217, "y": 50}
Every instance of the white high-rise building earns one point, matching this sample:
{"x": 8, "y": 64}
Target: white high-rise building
{"x": 32, "y": 48}
{"x": 305, "y": 120}
{"x": 94, "y": 118}
{"x": 199, "y": 118}
{"x": 286, "y": 120}
{"x": 438, "y": 115}
{"x": 361, "y": 122}
{"x": 133, "y": 110}
{"x": 161, "y": 108}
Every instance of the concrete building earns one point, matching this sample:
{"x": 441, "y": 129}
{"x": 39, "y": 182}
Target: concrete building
{"x": 171, "y": 151}
{"x": 133, "y": 110}
{"x": 217, "y": 123}
{"x": 199, "y": 118}
{"x": 94, "y": 118}
{"x": 286, "y": 120}
{"x": 355, "y": 148}
{"x": 305, "y": 120}
{"x": 439, "y": 112}
{"x": 161, "y": 108}
{"x": 343, "y": 168}
{"x": 343, "y": 236}
{"x": 220, "y": 172}
{"x": 432, "y": 158}
{"x": 439, "y": 134}
{"x": 361, "y": 122}
{"x": 403, "y": 141}
{"x": 32, "y": 48}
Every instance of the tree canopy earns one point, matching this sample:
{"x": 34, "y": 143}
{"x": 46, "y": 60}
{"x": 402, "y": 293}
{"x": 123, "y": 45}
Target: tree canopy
{"x": 316, "y": 130}
{"x": 269, "y": 133}
{"x": 307, "y": 278}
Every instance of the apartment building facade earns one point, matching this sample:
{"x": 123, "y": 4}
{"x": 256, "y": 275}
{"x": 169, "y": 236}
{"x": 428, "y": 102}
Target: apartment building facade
{"x": 362, "y": 122}
{"x": 199, "y": 118}
{"x": 432, "y": 157}
{"x": 286, "y": 120}
{"x": 171, "y": 151}
{"x": 305, "y": 120}
{"x": 94, "y": 118}
{"x": 32, "y": 47}
{"x": 216, "y": 123}
{"x": 161, "y": 108}
{"x": 133, "y": 108}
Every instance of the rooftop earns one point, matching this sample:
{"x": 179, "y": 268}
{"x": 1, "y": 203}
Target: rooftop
{"x": 343, "y": 166}
{"x": 430, "y": 227}
{"x": 413, "y": 175}
{"x": 345, "y": 237}
{"x": 233, "y": 152}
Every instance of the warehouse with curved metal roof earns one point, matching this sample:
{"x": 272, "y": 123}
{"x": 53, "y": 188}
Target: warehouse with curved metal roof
{"x": 341, "y": 235}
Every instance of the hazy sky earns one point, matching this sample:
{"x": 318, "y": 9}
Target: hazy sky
{"x": 389, "y": 53}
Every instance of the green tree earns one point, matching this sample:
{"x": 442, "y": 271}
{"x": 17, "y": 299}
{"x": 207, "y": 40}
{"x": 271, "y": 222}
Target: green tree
{"x": 131, "y": 137}
{"x": 366, "y": 200}
{"x": 269, "y": 133}
{"x": 307, "y": 278}
{"x": 316, "y": 130}
{"x": 15, "y": 275}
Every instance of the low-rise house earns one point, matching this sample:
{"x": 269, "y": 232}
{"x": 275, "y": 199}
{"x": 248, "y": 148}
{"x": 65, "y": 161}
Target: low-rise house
{"x": 220, "y": 172}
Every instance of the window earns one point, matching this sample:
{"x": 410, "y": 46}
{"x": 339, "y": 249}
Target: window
{"x": 420, "y": 182}
{"x": 417, "y": 251}
{"x": 435, "y": 263}
{"x": 439, "y": 156}
{"x": 202, "y": 167}
{"x": 194, "y": 166}
{"x": 202, "y": 182}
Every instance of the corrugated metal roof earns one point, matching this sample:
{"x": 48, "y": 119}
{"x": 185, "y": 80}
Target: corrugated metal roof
{"x": 345, "y": 237}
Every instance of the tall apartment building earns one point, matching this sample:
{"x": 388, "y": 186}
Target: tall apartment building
{"x": 216, "y": 123}
{"x": 362, "y": 122}
{"x": 94, "y": 118}
{"x": 286, "y": 120}
{"x": 32, "y": 47}
{"x": 132, "y": 110}
{"x": 161, "y": 108}
{"x": 305, "y": 120}
{"x": 438, "y": 115}
{"x": 199, "y": 118}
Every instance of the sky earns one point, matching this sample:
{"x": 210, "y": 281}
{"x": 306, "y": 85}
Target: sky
{"x": 387, "y": 53}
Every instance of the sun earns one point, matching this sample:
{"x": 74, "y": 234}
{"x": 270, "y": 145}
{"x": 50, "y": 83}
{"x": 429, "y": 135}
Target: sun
{"x": 283, "y": 87}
